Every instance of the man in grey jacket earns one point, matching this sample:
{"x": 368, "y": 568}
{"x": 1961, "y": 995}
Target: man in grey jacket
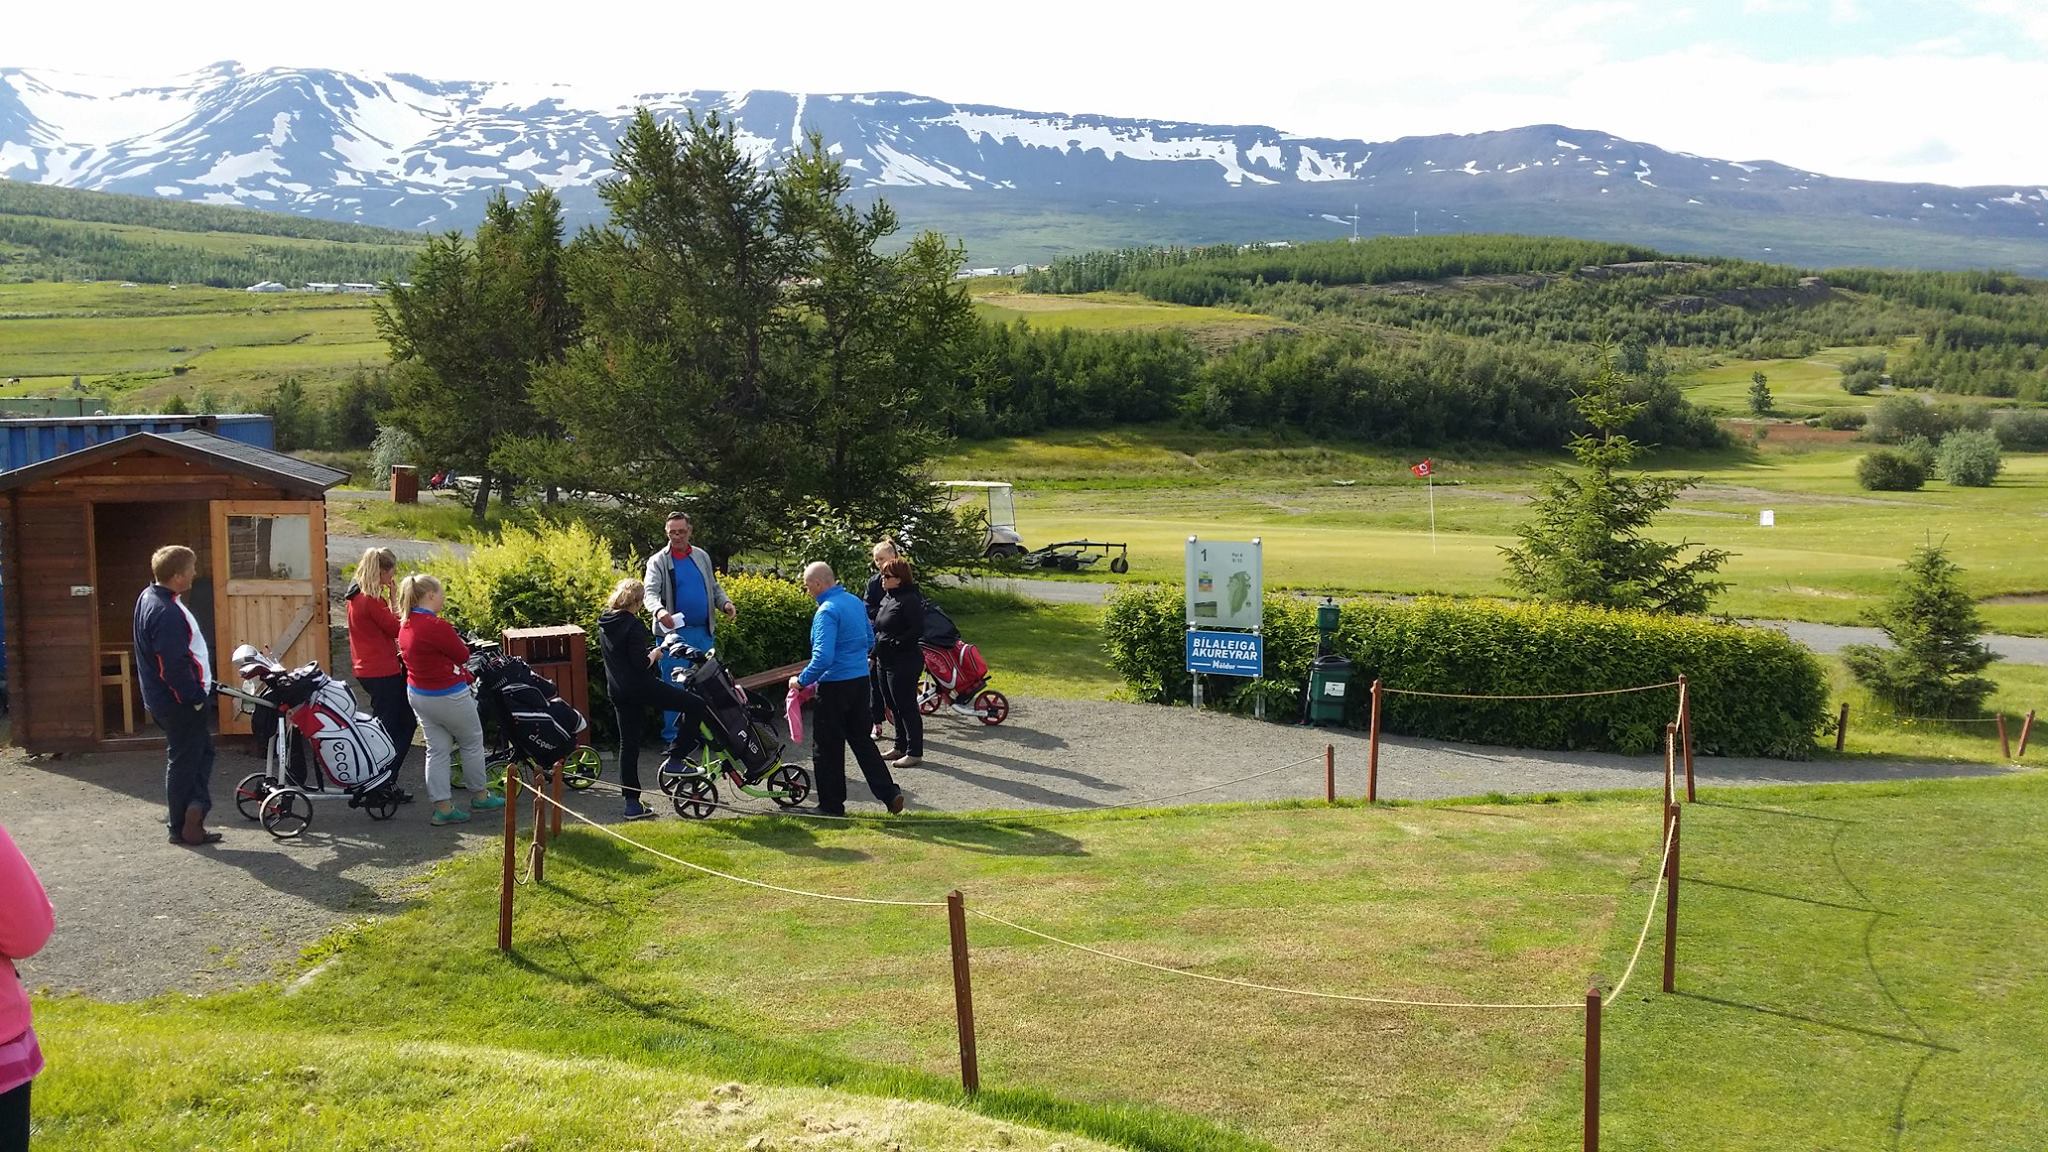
{"x": 684, "y": 598}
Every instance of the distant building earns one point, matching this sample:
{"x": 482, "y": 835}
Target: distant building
{"x": 976, "y": 273}
{"x": 361, "y": 289}
{"x": 1020, "y": 270}
{"x": 265, "y": 286}
{"x": 321, "y": 286}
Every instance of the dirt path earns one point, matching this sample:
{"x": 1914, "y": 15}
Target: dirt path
{"x": 137, "y": 916}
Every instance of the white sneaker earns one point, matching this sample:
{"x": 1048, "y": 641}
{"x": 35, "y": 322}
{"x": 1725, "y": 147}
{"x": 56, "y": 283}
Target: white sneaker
{"x": 875, "y": 733}
{"x": 964, "y": 708}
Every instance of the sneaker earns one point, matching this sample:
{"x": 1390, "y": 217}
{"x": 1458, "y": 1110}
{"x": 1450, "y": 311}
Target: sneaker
{"x": 895, "y": 754}
{"x": 875, "y": 733}
{"x": 906, "y": 761}
{"x": 451, "y": 816}
{"x": 965, "y": 708}
{"x": 636, "y": 811}
{"x": 487, "y": 802}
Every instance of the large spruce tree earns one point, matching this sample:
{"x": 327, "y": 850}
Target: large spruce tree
{"x": 1587, "y": 542}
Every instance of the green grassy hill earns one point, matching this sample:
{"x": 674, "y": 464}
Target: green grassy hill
{"x": 1855, "y": 970}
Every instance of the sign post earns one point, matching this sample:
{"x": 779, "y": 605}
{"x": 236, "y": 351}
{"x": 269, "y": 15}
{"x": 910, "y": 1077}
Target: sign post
{"x": 1225, "y": 611}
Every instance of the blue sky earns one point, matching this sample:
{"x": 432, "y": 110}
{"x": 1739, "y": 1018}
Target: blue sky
{"x": 1947, "y": 91}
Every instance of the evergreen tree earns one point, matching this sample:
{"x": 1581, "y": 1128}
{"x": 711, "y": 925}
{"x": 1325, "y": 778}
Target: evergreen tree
{"x": 1586, "y": 544}
{"x": 1931, "y": 668}
{"x": 1759, "y": 393}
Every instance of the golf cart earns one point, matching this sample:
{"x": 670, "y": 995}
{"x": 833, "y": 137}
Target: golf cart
{"x": 1003, "y": 543}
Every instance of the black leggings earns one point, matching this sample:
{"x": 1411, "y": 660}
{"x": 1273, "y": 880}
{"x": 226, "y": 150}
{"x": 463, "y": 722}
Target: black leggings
{"x": 898, "y": 675}
{"x": 14, "y": 1119}
{"x": 389, "y": 705}
{"x": 631, "y": 711}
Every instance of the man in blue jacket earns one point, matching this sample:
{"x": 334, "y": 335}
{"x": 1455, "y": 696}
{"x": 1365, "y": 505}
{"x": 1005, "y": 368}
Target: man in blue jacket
{"x": 176, "y": 672}
{"x": 841, "y": 639}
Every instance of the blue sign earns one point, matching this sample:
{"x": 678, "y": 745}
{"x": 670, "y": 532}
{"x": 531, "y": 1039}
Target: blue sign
{"x": 1226, "y": 653}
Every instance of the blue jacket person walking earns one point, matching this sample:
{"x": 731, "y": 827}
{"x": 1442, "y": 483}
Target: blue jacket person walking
{"x": 841, "y": 639}
{"x": 176, "y": 671}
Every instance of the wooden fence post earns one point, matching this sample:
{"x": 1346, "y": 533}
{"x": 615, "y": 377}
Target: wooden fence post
{"x": 540, "y": 826}
{"x": 1671, "y": 907}
{"x": 1685, "y": 732}
{"x": 963, "y": 992}
{"x": 510, "y": 878}
{"x": 1592, "y": 1121}
{"x": 1842, "y": 727}
{"x": 555, "y": 791}
{"x": 1670, "y": 771}
{"x": 1329, "y": 773}
{"x": 2004, "y": 744}
{"x": 1372, "y": 754}
{"x": 2026, "y": 726}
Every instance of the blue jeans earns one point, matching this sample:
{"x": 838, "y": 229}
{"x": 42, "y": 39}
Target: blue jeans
{"x": 668, "y": 719}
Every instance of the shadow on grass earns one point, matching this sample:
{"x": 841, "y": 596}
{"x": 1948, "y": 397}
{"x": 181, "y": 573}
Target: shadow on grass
{"x": 1683, "y": 878}
{"x": 994, "y": 838}
{"x": 1773, "y": 812}
{"x": 1834, "y": 1025}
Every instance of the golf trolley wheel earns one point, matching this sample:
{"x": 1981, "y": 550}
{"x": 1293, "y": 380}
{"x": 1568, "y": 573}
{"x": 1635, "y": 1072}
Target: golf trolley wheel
{"x": 1119, "y": 565}
{"x": 791, "y": 784}
{"x": 928, "y": 698}
{"x": 250, "y": 795}
{"x": 381, "y": 804}
{"x": 695, "y": 797}
{"x": 583, "y": 768}
{"x": 992, "y": 707}
{"x": 287, "y": 812}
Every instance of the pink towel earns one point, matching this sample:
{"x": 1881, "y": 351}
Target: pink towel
{"x": 793, "y": 710}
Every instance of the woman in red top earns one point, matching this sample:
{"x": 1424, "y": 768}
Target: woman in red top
{"x": 437, "y": 687}
{"x": 373, "y": 647}
{"x": 25, "y": 923}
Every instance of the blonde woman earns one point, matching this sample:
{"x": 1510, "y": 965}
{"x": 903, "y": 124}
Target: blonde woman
{"x": 437, "y": 687}
{"x": 373, "y": 646}
{"x": 630, "y": 659}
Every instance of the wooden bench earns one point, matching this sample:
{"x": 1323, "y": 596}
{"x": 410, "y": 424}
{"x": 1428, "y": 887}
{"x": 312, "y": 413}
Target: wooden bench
{"x": 771, "y": 678}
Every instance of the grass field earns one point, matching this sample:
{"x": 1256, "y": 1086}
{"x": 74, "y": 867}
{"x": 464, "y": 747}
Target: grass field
{"x": 1856, "y": 970}
{"x": 1099, "y": 311}
{"x": 1357, "y": 520}
{"x": 140, "y": 346}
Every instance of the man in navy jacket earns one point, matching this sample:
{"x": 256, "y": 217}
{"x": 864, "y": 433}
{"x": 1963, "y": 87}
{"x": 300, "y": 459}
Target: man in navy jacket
{"x": 176, "y": 671}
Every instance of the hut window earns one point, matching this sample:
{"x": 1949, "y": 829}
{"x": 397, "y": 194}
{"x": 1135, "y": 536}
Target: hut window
{"x": 270, "y": 548}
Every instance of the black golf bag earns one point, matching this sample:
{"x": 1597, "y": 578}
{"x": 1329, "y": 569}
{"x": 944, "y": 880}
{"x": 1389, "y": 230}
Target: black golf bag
{"x": 535, "y": 721}
{"x": 728, "y": 713}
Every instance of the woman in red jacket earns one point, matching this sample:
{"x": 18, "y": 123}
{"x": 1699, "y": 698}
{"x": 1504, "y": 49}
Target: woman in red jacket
{"x": 437, "y": 687}
{"x": 25, "y": 923}
{"x": 373, "y": 647}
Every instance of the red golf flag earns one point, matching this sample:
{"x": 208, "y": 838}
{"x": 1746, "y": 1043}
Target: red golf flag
{"x": 1423, "y": 469}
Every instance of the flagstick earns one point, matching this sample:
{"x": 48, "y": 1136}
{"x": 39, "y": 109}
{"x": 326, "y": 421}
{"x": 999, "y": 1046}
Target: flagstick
{"x": 1432, "y": 511}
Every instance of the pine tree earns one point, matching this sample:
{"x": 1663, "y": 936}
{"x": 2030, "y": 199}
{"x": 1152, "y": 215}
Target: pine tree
{"x": 1931, "y": 668}
{"x": 1759, "y": 393}
{"x": 1586, "y": 544}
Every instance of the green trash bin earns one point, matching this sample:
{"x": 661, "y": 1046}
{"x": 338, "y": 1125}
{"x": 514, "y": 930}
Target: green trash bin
{"x": 1329, "y": 689}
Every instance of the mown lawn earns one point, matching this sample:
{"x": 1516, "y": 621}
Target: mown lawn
{"x": 1858, "y": 969}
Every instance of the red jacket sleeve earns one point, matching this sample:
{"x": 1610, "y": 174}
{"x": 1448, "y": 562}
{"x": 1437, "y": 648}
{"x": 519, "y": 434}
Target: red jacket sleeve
{"x": 449, "y": 643}
{"x": 381, "y": 615}
{"x": 25, "y": 916}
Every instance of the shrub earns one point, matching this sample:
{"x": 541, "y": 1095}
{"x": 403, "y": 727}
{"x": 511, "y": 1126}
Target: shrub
{"x": 773, "y": 627}
{"x": 1755, "y": 692}
{"x": 393, "y": 446}
{"x": 2021, "y": 429}
{"x": 1931, "y": 668}
{"x": 1899, "y": 418}
{"x": 531, "y": 578}
{"x": 1843, "y": 419}
{"x": 1862, "y": 375}
{"x": 1891, "y": 470}
{"x": 1969, "y": 458}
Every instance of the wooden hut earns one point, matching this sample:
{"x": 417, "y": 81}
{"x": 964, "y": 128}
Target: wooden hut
{"x": 76, "y": 535}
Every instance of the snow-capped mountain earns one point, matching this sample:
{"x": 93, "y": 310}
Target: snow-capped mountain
{"x": 404, "y": 151}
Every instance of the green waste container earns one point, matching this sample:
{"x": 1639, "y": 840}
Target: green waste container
{"x": 1329, "y": 689}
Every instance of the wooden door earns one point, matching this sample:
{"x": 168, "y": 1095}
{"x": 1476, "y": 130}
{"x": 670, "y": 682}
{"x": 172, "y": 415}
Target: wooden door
{"x": 269, "y": 585}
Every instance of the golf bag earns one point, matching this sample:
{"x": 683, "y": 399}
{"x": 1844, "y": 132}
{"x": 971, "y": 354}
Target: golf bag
{"x": 315, "y": 718}
{"x": 954, "y": 664}
{"x": 728, "y": 713}
{"x": 536, "y": 722}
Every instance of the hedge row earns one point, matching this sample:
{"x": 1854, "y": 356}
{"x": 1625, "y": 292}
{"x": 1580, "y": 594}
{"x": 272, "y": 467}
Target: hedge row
{"x": 1754, "y": 691}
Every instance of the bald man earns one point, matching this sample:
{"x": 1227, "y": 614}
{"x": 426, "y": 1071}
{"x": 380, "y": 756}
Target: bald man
{"x": 841, "y": 639}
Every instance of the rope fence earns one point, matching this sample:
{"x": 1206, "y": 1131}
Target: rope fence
{"x": 521, "y": 869}
{"x": 1997, "y": 720}
{"x": 1534, "y": 696}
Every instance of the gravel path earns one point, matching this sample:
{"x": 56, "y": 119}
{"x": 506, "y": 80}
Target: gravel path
{"x": 1823, "y": 638}
{"x": 137, "y": 916}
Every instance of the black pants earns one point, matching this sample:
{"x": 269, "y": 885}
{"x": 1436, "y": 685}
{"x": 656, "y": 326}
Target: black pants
{"x": 898, "y": 674}
{"x": 631, "y": 710}
{"x": 878, "y": 701}
{"x": 188, "y": 761}
{"x": 389, "y": 706}
{"x": 14, "y": 1119}
{"x": 841, "y": 718}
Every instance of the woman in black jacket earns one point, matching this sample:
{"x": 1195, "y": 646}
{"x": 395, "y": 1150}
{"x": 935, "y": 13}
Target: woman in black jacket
{"x": 629, "y": 671}
{"x": 899, "y": 625}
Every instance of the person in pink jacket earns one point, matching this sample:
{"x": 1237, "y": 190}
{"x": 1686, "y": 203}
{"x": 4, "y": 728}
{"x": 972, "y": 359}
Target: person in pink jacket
{"x": 25, "y": 922}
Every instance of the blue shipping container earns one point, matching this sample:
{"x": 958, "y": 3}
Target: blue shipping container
{"x": 32, "y": 441}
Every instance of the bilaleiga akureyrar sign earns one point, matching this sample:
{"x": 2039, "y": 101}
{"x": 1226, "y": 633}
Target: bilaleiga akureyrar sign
{"x": 1226, "y": 653}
